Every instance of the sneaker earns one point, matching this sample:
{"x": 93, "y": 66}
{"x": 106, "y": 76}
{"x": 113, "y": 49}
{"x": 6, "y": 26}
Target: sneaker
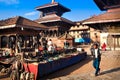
{"x": 96, "y": 74}
{"x": 99, "y": 71}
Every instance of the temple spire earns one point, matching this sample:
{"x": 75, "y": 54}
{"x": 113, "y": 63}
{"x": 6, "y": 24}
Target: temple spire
{"x": 53, "y": 1}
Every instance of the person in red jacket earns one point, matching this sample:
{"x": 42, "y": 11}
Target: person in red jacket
{"x": 104, "y": 47}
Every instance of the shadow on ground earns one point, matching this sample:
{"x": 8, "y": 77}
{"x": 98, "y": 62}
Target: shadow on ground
{"x": 110, "y": 71}
{"x": 67, "y": 70}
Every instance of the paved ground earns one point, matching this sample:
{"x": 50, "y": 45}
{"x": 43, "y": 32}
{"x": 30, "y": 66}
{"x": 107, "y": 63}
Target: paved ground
{"x": 110, "y": 69}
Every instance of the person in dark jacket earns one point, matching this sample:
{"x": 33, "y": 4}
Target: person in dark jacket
{"x": 96, "y": 59}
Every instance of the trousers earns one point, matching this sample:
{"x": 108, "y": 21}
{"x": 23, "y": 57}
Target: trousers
{"x": 96, "y": 64}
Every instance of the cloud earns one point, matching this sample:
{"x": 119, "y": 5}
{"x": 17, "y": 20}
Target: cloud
{"x": 10, "y": 1}
{"x": 31, "y": 13}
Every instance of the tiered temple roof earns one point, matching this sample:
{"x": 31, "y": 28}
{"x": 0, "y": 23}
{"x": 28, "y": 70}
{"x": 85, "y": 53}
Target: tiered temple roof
{"x": 66, "y": 37}
{"x": 55, "y": 7}
{"x": 51, "y": 13}
{"x": 53, "y": 18}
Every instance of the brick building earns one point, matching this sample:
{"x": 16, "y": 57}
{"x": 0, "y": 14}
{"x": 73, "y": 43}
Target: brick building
{"x": 81, "y": 33}
{"x": 108, "y": 23}
{"x": 19, "y": 29}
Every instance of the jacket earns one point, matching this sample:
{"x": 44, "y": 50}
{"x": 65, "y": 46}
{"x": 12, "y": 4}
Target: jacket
{"x": 99, "y": 54}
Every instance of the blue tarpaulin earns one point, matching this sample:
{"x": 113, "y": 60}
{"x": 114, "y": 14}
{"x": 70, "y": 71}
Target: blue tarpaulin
{"x": 82, "y": 40}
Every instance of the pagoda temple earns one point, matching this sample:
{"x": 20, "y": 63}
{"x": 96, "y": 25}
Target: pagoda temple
{"x": 108, "y": 23}
{"x": 51, "y": 16}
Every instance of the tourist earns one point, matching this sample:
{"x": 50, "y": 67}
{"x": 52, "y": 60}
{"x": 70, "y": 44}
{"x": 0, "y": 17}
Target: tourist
{"x": 50, "y": 42}
{"x": 96, "y": 59}
{"x": 50, "y": 47}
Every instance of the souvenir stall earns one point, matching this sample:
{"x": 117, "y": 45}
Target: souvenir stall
{"x": 49, "y": 61}
{"x": 17, "y": 35}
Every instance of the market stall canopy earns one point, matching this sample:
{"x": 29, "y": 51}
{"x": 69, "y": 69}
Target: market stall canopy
{"x": 82, "y": 40}
{"x": 66, "y": 36}
{"x": 21, "y": 22}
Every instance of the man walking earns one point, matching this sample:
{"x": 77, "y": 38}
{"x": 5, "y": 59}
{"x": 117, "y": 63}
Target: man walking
{"x": 96, "y": 59}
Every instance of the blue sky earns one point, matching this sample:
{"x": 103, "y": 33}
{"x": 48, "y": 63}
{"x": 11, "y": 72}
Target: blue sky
{"x": 80, "y": 9}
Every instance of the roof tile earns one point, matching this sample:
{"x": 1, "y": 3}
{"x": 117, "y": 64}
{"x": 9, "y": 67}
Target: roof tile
{"x": 104, "y": 18}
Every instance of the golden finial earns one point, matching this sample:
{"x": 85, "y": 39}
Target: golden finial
{"x": 53, "y": 1}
